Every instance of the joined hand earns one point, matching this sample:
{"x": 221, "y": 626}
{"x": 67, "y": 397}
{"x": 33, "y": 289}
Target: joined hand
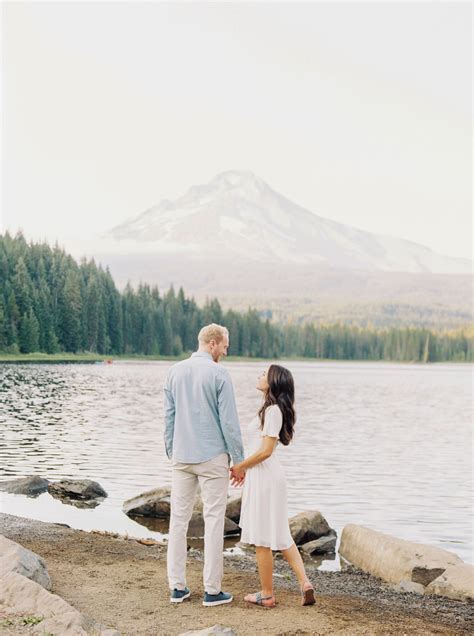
{"x": 237, "y": 476}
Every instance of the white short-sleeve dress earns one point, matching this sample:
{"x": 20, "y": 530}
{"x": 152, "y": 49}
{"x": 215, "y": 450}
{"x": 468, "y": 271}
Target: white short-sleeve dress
{"x": 264, "y": 512}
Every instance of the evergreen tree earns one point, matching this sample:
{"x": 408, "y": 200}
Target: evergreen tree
{"x": 70, "y": 307}
{"x": 28, "y": 337}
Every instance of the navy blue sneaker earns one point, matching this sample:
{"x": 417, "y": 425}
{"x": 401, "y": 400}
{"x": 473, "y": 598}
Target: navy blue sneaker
{"x": 178, "y": 596}
{"x": 217, "y": 599}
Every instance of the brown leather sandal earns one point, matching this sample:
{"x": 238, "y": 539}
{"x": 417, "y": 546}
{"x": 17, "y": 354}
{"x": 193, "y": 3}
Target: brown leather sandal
{"x": 307, "y": 593}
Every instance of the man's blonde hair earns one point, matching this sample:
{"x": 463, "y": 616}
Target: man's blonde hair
{"x": 212, "y": 332}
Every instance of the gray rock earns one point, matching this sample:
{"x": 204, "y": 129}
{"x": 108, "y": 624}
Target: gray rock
{"x": 308, "y": 526}
{"x": 152, "y": 503}
{"x": 196, "y": 527}
{"x": 82, "y": 489}
{"x": 323, "y": 545}
{"x": 31, "y": 486}
{"x": 15, "y": 558}
{"x": 157, "y": 503}
{"x": 233, "y": 508}
{"x": 208, "y": 631}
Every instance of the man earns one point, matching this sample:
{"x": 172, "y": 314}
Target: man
{"x": 201, "y": 431}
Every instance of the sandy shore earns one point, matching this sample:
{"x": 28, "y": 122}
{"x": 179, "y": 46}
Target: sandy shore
{"x": 122, "y": 583}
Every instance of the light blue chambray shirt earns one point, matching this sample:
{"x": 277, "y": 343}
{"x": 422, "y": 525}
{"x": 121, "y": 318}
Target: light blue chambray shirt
{"x": 201, "y": 418}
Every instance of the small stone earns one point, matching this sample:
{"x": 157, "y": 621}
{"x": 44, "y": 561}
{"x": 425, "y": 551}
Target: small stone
{"x": 208, "y": 631}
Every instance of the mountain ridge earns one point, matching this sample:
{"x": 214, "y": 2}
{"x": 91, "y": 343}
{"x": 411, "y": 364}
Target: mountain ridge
{"x": 240, "y": 215}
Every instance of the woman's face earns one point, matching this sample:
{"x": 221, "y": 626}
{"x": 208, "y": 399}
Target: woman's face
{"x": 262, "y": 383}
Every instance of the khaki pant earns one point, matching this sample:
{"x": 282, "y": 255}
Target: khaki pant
{"x": 213, "y": 477}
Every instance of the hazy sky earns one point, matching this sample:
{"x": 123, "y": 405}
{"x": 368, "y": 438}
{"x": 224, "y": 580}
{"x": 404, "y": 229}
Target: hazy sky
{"x": 360, "y": 112}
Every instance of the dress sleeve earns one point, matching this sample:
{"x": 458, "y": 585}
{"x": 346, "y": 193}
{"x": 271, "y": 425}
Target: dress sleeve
{"x": 273, "y": 421}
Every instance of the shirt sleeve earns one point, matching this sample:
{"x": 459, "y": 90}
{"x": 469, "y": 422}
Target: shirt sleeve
{"x": 229, "y": 419}
{"x": 273, "y": 421}
{"x": 169, "y": 418}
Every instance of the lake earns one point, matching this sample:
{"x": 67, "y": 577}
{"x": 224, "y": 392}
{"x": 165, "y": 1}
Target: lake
{"x": 388, "y": 446}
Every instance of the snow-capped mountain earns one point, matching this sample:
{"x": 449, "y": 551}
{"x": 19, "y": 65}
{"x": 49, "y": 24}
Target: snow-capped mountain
{"x": 237, "y": 215}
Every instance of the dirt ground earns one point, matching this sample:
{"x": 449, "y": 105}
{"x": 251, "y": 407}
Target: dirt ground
{"x": 122, "y": 583}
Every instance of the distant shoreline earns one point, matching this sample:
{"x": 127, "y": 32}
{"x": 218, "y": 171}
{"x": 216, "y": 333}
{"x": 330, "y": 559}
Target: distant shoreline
{"x": 91, "y": 358}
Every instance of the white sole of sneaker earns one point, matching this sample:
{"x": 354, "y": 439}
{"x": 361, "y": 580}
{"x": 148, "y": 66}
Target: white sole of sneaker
{"x": 213, "y": 603}
{"x": 180, "y": 600}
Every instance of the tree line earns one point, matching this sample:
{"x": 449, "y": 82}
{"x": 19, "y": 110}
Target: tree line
{"x": 51, "y": 303}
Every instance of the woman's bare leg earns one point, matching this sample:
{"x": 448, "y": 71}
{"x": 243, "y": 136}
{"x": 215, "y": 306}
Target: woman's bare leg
{"x": 293, "y": 556}
{"x": 265, "y": 569}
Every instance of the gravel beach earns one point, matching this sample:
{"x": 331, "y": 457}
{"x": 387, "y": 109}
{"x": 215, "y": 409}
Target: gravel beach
{"x": 122, "y": 583}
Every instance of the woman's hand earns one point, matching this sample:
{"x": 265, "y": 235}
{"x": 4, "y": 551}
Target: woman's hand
{"x": 237, "y": 475}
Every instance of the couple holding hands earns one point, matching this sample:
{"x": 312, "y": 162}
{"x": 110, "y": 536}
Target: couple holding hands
{"x": 202, "y": 433}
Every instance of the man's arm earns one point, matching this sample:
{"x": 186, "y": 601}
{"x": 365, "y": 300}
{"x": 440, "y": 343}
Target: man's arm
{"x": 169, "y": 418}
{"x": 228, "y": 417}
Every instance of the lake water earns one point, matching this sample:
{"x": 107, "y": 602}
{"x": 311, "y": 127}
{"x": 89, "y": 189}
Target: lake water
{"x": 388, "y": 446}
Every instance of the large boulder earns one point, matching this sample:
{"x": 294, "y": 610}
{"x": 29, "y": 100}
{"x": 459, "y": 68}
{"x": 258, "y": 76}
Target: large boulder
{"x": 308, "y": 526}
{"x": 32, "y": 485}
{"x": 152, "y": 503}
{"x": 15, "y": 558}
{"x": 323, "y": 545}
{"x": 196, "y": 527}
{"x": 82, "y": 489}
{"x": 457, "y": 581}
{"x": 391, "y": 559}
{"x": 157, "y": 503}
{"x": 24, "y": 596}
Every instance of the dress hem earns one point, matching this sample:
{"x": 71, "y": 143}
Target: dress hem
{"x": 263, "y": 545}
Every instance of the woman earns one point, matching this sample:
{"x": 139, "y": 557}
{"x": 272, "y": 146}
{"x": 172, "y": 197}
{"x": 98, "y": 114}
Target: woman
{"x": 264, "y": 515}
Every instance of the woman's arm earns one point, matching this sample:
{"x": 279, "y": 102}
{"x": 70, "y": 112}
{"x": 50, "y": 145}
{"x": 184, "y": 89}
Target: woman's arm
{"x": 263, "y": 453}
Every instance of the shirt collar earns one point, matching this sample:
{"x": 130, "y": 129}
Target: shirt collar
{"x": 201, "y": 354}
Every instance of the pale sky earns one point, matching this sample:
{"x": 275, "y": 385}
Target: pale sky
{"x": 360, "y": 112}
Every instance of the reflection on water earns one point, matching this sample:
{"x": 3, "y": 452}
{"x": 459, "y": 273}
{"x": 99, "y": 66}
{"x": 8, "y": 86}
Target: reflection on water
{"x": 384, "y": 445}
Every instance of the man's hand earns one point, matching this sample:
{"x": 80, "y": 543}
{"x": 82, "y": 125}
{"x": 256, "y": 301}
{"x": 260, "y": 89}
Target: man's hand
{"x": 237, "y": 476}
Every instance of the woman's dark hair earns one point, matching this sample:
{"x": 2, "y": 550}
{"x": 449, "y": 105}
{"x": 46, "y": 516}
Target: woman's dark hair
{"x": 281, "y": 391}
